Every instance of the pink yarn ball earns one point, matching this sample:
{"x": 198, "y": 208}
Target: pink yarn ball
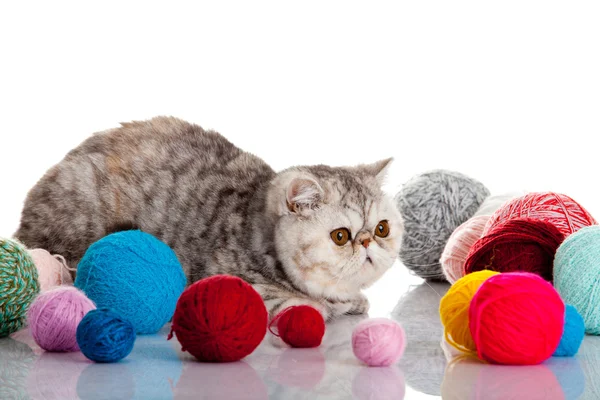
{"x": 458, "y": 246}
{"x": 52, "y": 270}
{"x": 54, "y": 315}
{"x": 378, "y": 342}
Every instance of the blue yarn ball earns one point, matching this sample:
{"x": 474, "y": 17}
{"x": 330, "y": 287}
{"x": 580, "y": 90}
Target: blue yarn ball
{"x": 104, "y": 336}
{"x": 573, "y": 334}
{"x": 134, "y": 274}
{"x": 577, "y": 274}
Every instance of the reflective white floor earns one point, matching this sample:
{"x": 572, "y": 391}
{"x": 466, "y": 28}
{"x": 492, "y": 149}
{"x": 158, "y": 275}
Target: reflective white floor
{"x": 157, "y": 369}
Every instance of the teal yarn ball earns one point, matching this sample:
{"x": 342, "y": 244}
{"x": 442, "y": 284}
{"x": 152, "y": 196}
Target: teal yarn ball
{"x": 18, "y": 285}
{"x": 577, "y": 275}
{"x": 104, "y": 336}
{"x": 134, "y": 274}
{"x": 573, "y": 334}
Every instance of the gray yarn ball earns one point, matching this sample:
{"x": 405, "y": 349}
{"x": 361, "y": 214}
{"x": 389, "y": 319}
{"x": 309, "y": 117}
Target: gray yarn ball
{"x": 433, "y": 204}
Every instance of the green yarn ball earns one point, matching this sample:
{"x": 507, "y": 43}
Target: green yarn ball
{"x": 18, "y": 285}
{"x": 577, "y": 275}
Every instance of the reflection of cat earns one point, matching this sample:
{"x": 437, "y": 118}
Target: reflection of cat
{"x": 315, "y": 235}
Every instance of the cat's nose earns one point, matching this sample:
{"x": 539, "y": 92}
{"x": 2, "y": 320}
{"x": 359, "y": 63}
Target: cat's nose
{"x": 364, "y": 238}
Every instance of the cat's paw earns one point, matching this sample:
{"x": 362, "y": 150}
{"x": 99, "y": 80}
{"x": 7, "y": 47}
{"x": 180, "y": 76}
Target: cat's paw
{"x": 359, "y": 305}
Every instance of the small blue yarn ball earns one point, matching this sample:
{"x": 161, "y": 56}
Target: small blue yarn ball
{"x": 134, "y": 274}
{"x": 573, "y": 334}
{"x": 104, "y": 336}
{"x": 577, "y": 274}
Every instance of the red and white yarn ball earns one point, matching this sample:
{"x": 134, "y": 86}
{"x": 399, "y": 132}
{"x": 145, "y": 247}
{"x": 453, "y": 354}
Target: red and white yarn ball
{"x": 558, "y": 209}
{"x": 458, "y": 246}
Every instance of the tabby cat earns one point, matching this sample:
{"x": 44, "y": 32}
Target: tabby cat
{"x": 312, "y": 235}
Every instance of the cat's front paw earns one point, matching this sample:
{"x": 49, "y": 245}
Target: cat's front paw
{"x": 359, "y": 305}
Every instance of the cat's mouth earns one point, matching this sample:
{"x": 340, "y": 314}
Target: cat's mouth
{"x": 368, "y": 259}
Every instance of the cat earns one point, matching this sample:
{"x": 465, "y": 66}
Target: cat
{"x": 312, "y": 235}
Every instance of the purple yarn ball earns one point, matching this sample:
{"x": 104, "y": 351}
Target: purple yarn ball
{"x": 53, "y": 318}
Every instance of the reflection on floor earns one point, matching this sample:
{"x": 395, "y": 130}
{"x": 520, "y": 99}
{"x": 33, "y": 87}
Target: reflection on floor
{"x": 157, "y": 369}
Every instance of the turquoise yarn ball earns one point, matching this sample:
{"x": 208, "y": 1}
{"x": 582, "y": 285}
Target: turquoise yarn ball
{"x": 134, "y": 274}
{"x": 577, "y": 275}
{"x": 573, "y": 334}
{"x": 104, "y": 336}
{"x": 18, "y": 285}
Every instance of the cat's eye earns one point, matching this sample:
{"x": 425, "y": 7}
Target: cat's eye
{"x": 340, "y": 236}
{"x": 383, "y": 229}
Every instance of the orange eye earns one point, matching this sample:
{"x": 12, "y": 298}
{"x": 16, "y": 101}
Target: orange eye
{"x": 340, "y": 236}
{"x": 383, "y": 229}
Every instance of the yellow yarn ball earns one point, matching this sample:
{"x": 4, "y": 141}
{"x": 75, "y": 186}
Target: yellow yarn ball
{"x": 454, "y": 309}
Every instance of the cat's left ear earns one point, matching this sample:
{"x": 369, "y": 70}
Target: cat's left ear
{"x": 378, "y": 169}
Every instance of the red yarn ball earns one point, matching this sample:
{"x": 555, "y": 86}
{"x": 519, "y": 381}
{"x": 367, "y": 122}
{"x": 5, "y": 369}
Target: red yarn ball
{"x": 516, "y": 318}
{"x": 300, "y": 326}
{"x": 220, "y": 319}
{"x": 520, "y": 244}
{"x": 558, "y": 209}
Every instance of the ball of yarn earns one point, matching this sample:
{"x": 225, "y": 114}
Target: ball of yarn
{"x": 573, "y": 333}
{"x": 558, "y": 209}
{"x": 18, "y": 285}
{"x": 520, "y": 244}
{"x": 134, "y": 274}
{"x": 516, "y": 318}
{"x": 220, "y": 319}
{"x": 52, "y": 270}
{"x": 433, "y": 205}
{"x": 300, "y": 326}
{"x": 577, "y": 275}
{"x": 492, "y": 203}
{"x": 454, "y": 309}
{"x": 459, "y": 245}
{"x": 378, "y": 342}
{"x": 54, "y": 315}
{"x": 104, "y": 336}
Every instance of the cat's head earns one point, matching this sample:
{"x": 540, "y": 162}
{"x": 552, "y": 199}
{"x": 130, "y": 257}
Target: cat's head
{"x": 336, "y": 232}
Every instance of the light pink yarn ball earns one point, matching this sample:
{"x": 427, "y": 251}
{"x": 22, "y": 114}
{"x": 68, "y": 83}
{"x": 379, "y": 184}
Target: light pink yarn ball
{"x": 458, "y": 247}
{"x": 378, "y": 342}
{"x": 54, "y": 315}
{"x": 52, "y": 270}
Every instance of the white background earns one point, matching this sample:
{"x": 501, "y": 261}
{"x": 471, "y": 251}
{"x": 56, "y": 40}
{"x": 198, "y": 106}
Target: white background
{"x": 508, "y": 92}
{"x": 505, "y": 91}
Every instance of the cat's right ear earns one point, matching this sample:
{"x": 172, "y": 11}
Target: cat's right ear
{"x": 303, "y": 193}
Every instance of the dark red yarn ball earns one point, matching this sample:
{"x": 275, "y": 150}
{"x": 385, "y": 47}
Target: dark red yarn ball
{"x": 220, "y": 319}
{"x": 519, "y": 244}
{"x": 300, "y": 326}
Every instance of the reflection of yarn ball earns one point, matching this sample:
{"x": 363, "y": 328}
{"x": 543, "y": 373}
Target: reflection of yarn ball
{"x": 379, "y": 384}
{"x": 378, "y": 342}
{"x": 54, "y": 376}
{"x": 520, "y": 244}
{"x": 432, "y": 205}
{"x": 558, "y": 209}
{"x": 52, "y": 270}
{"x": 53, "y": 318}
{"x": 516, "y": 318}
{"x": 300, "y": 326}
{"x": 577, "y": 275}
{"x": 134, "y": 274}
{"x": 454, "y": 309}
{"x": 103, "y": 382}
{"x": 220, "y": 319}
{"x": 573, "y": 334}
{"x": 298, "y": 368}
{"x": 16, "y": 360}
{"x": 104, "y": 336}
{"x": 459, "y": 245}
{"x": 18, "y": 285}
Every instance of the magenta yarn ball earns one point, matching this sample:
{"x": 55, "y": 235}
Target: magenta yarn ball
{"x": 54, "y": 315}
{"x": 378, "y": 342}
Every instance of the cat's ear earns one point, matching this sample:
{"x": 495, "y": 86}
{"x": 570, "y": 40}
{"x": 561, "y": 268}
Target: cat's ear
{"x": 303, "y": 193}
{"x": 378, "y": 169}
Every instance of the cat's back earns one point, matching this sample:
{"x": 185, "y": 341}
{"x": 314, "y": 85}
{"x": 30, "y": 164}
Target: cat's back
{"x": 152, "y": 175}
